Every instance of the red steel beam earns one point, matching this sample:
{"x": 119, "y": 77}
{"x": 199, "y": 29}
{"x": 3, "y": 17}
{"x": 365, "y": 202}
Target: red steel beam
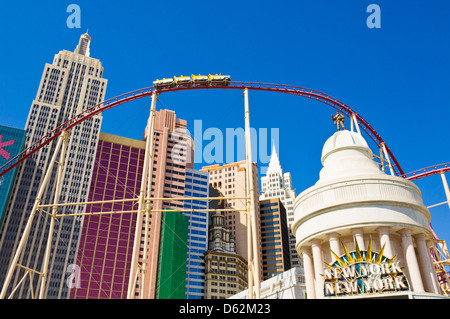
{"x": 427, "y": 171}
{"x": 137, "y": 94}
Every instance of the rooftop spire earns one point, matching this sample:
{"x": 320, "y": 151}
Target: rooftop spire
{"x": 274, "y": 164}
{"x": 83, "y": 45}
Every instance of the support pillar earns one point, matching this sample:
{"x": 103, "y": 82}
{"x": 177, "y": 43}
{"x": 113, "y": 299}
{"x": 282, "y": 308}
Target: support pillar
{"x": 318, "y": 268}
{"x": 447, "y": 191}
{"x": 386, "y": 241}
{"x": 383, "y": 146}
{"x": 429, "y": 276}
{"x": 27, "y": 229}
{"x": 359, "y": 237}
{"x": 60, "y": 173}
{"x": 335, "y": 247}
{"x": 411, "y": 261}
{"x": 251, "y": 194}
{"x": 309, "y": 273}
{"x": 136, "y": 269}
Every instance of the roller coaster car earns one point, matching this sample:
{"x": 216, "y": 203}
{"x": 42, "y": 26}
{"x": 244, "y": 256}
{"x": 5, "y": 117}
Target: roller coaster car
{"x": 163, "y": 84}
{"x": 199, "y": 80}
{"x": 183, "y": 81}
{"x": 219, "y": 80}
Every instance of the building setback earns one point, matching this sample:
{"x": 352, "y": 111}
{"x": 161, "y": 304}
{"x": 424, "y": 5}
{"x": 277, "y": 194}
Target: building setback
{"x": 71, "y": 84}
{"x": 274, "y": 238}
{"x": 106, "y": 241}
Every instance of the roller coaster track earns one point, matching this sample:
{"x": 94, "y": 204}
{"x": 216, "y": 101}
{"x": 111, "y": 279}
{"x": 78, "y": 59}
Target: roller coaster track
{"x": 145, "y": 92}
{"x": 427, "y": 171}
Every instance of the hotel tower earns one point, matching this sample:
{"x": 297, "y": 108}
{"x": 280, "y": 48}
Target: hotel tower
{"x": 70, "y": 85}
{"x": 278, "y": 184}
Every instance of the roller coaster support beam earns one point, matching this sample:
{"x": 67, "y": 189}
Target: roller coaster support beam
{"x": 383, "y": 148}
{"x": 354, "y": 123}
{"x": 59, "y": 181}
{"x": 61, "y": 139}
{"x": 252, "y": 230}
{"x": 447, "y": 191}
{"x": 137, "y": 270}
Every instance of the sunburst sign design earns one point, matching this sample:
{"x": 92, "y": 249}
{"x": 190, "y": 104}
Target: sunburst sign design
{"x": 363, "y": 272}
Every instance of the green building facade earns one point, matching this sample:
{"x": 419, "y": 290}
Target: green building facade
{"x": 172, "y": 256}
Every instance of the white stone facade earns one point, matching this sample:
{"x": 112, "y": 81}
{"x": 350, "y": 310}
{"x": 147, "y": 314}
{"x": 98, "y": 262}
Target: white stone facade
{"x": 353, "y": 204}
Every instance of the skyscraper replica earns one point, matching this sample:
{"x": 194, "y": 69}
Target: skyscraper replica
{"x": 196, "y": 183}
{"x": 278, "y": 184}
{"x": 363, "y": 233}
{"x": 225, "y": 270}
{"x": 70, "y": 85}
{"x": 173, "y": 155}
{"x": 230, "y": 181}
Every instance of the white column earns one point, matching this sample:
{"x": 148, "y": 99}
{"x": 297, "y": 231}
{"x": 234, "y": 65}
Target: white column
{"x": 411, "y": 261}
{"x": 426, "y": 265}
{"x": 251, "y": 194}
{"x": 386, "y": 241}
{"x": 318, "y": 268}
{"x": 333, "y": 238}
{"x": 359, "y": 236}
{"x": 309, "y": 273}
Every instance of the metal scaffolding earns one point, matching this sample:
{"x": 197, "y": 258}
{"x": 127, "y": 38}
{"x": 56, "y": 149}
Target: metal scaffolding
{"x": 138, "y": 271}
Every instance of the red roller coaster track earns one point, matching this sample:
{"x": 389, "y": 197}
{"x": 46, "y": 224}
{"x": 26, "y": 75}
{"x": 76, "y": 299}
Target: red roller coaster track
{"x": 137, "y": 94}
{"x": 427, "y": 171}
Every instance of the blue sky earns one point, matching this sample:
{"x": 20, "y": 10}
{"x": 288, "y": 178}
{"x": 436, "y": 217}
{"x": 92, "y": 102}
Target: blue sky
{"x": 397, "y": 77}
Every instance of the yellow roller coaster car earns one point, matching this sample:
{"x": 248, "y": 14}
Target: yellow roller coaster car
{"x": 163, "y": 84}
{"x": 219, "y": 80}
{"x": 199, "y": 80}
{"x": 183, "y": 81}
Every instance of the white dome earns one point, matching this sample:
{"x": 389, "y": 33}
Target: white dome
{"x": 353, "y": 192}
{"x": 346, "y": 154}
{"x": 344, "y": 139}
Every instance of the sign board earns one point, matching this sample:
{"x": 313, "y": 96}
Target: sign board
{"x": 363, "y": 272}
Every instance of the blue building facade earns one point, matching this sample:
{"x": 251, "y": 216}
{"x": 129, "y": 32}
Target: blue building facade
{"x": 196, "y": 185}
{"x": 11, "y": 144}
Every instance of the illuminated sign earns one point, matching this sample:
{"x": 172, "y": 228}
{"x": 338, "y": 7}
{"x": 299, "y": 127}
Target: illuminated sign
{"x": 363, "y": 272}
